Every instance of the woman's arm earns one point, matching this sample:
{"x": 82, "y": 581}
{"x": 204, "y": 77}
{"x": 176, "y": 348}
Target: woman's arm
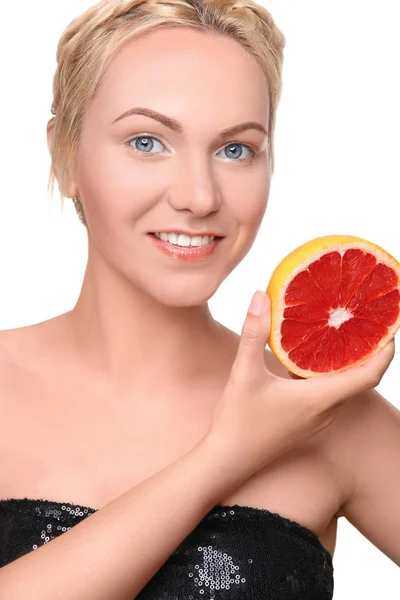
{"x": 117, "y": 550}
{"x": 364, "y": 446}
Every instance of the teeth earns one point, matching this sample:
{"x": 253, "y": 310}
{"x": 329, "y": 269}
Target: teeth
{"x": 179, "y": 239}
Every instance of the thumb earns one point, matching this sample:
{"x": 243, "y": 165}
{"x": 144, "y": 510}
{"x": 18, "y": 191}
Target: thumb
{"x": 250, "y": 358}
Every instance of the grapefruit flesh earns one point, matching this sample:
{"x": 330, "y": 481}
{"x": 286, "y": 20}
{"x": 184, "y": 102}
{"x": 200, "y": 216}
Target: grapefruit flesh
{"x": 335, "y": 301}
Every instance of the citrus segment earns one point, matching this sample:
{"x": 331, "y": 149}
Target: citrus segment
{"x": 335, "y": 301}
{"x": 355, "y": 268}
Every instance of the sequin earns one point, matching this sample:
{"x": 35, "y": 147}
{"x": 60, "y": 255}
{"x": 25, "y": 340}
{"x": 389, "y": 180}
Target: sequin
{"x": 235, "y": 553}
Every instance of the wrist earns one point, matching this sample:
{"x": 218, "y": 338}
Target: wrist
{"x": 226, "y": 462}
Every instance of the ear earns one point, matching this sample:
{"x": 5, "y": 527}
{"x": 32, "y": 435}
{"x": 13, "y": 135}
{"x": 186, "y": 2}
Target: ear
{"x": 71, "y": 188}
{"x": 50, "y": 126}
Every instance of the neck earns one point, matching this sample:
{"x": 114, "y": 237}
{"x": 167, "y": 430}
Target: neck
{"x": 123, "y": 332}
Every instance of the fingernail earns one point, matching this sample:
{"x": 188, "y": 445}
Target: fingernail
{"x": 258, "y": 303}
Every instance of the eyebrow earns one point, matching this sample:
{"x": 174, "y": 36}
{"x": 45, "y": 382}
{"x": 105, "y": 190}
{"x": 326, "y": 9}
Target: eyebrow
{"x": 177, "y": 127}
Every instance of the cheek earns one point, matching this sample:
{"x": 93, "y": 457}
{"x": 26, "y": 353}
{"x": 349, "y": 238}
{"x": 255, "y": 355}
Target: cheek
{"x": 250, "y": 200}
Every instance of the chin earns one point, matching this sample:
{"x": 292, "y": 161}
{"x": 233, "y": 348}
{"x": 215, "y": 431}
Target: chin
{"x": 184, "y": 293}
{"x": 182, "y": 298}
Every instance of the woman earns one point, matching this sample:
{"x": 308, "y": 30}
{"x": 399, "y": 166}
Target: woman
{"x": 207, "y": 472}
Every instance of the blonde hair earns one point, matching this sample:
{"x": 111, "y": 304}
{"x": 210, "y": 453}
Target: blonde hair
{"x": 90, "y": 42}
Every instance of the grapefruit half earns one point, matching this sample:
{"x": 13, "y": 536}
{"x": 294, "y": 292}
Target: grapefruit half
{"x": 335, "y": 301}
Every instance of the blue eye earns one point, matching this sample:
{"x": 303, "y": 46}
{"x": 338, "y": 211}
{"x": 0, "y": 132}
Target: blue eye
{"x": 235, "y": 152}
{"x": 144, "y": 144}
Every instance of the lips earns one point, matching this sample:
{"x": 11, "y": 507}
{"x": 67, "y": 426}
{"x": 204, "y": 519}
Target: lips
{"x": 186, "y": 253}
{"x": 190, "y": 234}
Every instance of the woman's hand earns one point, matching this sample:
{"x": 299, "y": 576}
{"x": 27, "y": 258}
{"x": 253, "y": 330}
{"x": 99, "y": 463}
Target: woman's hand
{"x": 261, "y": 416}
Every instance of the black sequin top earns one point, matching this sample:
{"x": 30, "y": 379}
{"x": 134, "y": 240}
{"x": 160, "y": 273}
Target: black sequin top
{"x": 234, "y": 553}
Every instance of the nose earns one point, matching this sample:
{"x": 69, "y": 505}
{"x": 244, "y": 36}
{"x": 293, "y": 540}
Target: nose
{"x": 196, "y": 188}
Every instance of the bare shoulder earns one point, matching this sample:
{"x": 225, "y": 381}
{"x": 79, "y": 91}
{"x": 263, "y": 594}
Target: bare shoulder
{"x": 10, "y": 378}
{"x": 20, "y": 349}
{"x": 11, "y": 340}
{"x": 11, "y": 348}
{"x": 23, "y": 345}
{"x": 8, "y": 351}
{"x": 12, "y": 344}
{"x": 365, "y": 447}
{"x": 358, "y": 441}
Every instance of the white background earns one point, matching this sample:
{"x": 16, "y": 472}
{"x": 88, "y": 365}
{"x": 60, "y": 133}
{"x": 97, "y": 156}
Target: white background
{"x": 337, "y": 171}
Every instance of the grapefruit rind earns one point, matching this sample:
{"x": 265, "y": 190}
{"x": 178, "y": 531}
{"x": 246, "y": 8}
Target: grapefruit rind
{"x": 299, "y": 260}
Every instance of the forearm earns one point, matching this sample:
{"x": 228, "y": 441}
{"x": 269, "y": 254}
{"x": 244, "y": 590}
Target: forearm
{"x": 117, "y": 550}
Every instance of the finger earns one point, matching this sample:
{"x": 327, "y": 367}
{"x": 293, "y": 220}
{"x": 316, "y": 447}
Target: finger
{"x": 250, "y": 357}
{"x": 339, "y": 387}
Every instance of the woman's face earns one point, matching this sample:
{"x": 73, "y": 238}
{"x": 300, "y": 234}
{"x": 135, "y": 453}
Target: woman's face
{"x": 184, "y": 178}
